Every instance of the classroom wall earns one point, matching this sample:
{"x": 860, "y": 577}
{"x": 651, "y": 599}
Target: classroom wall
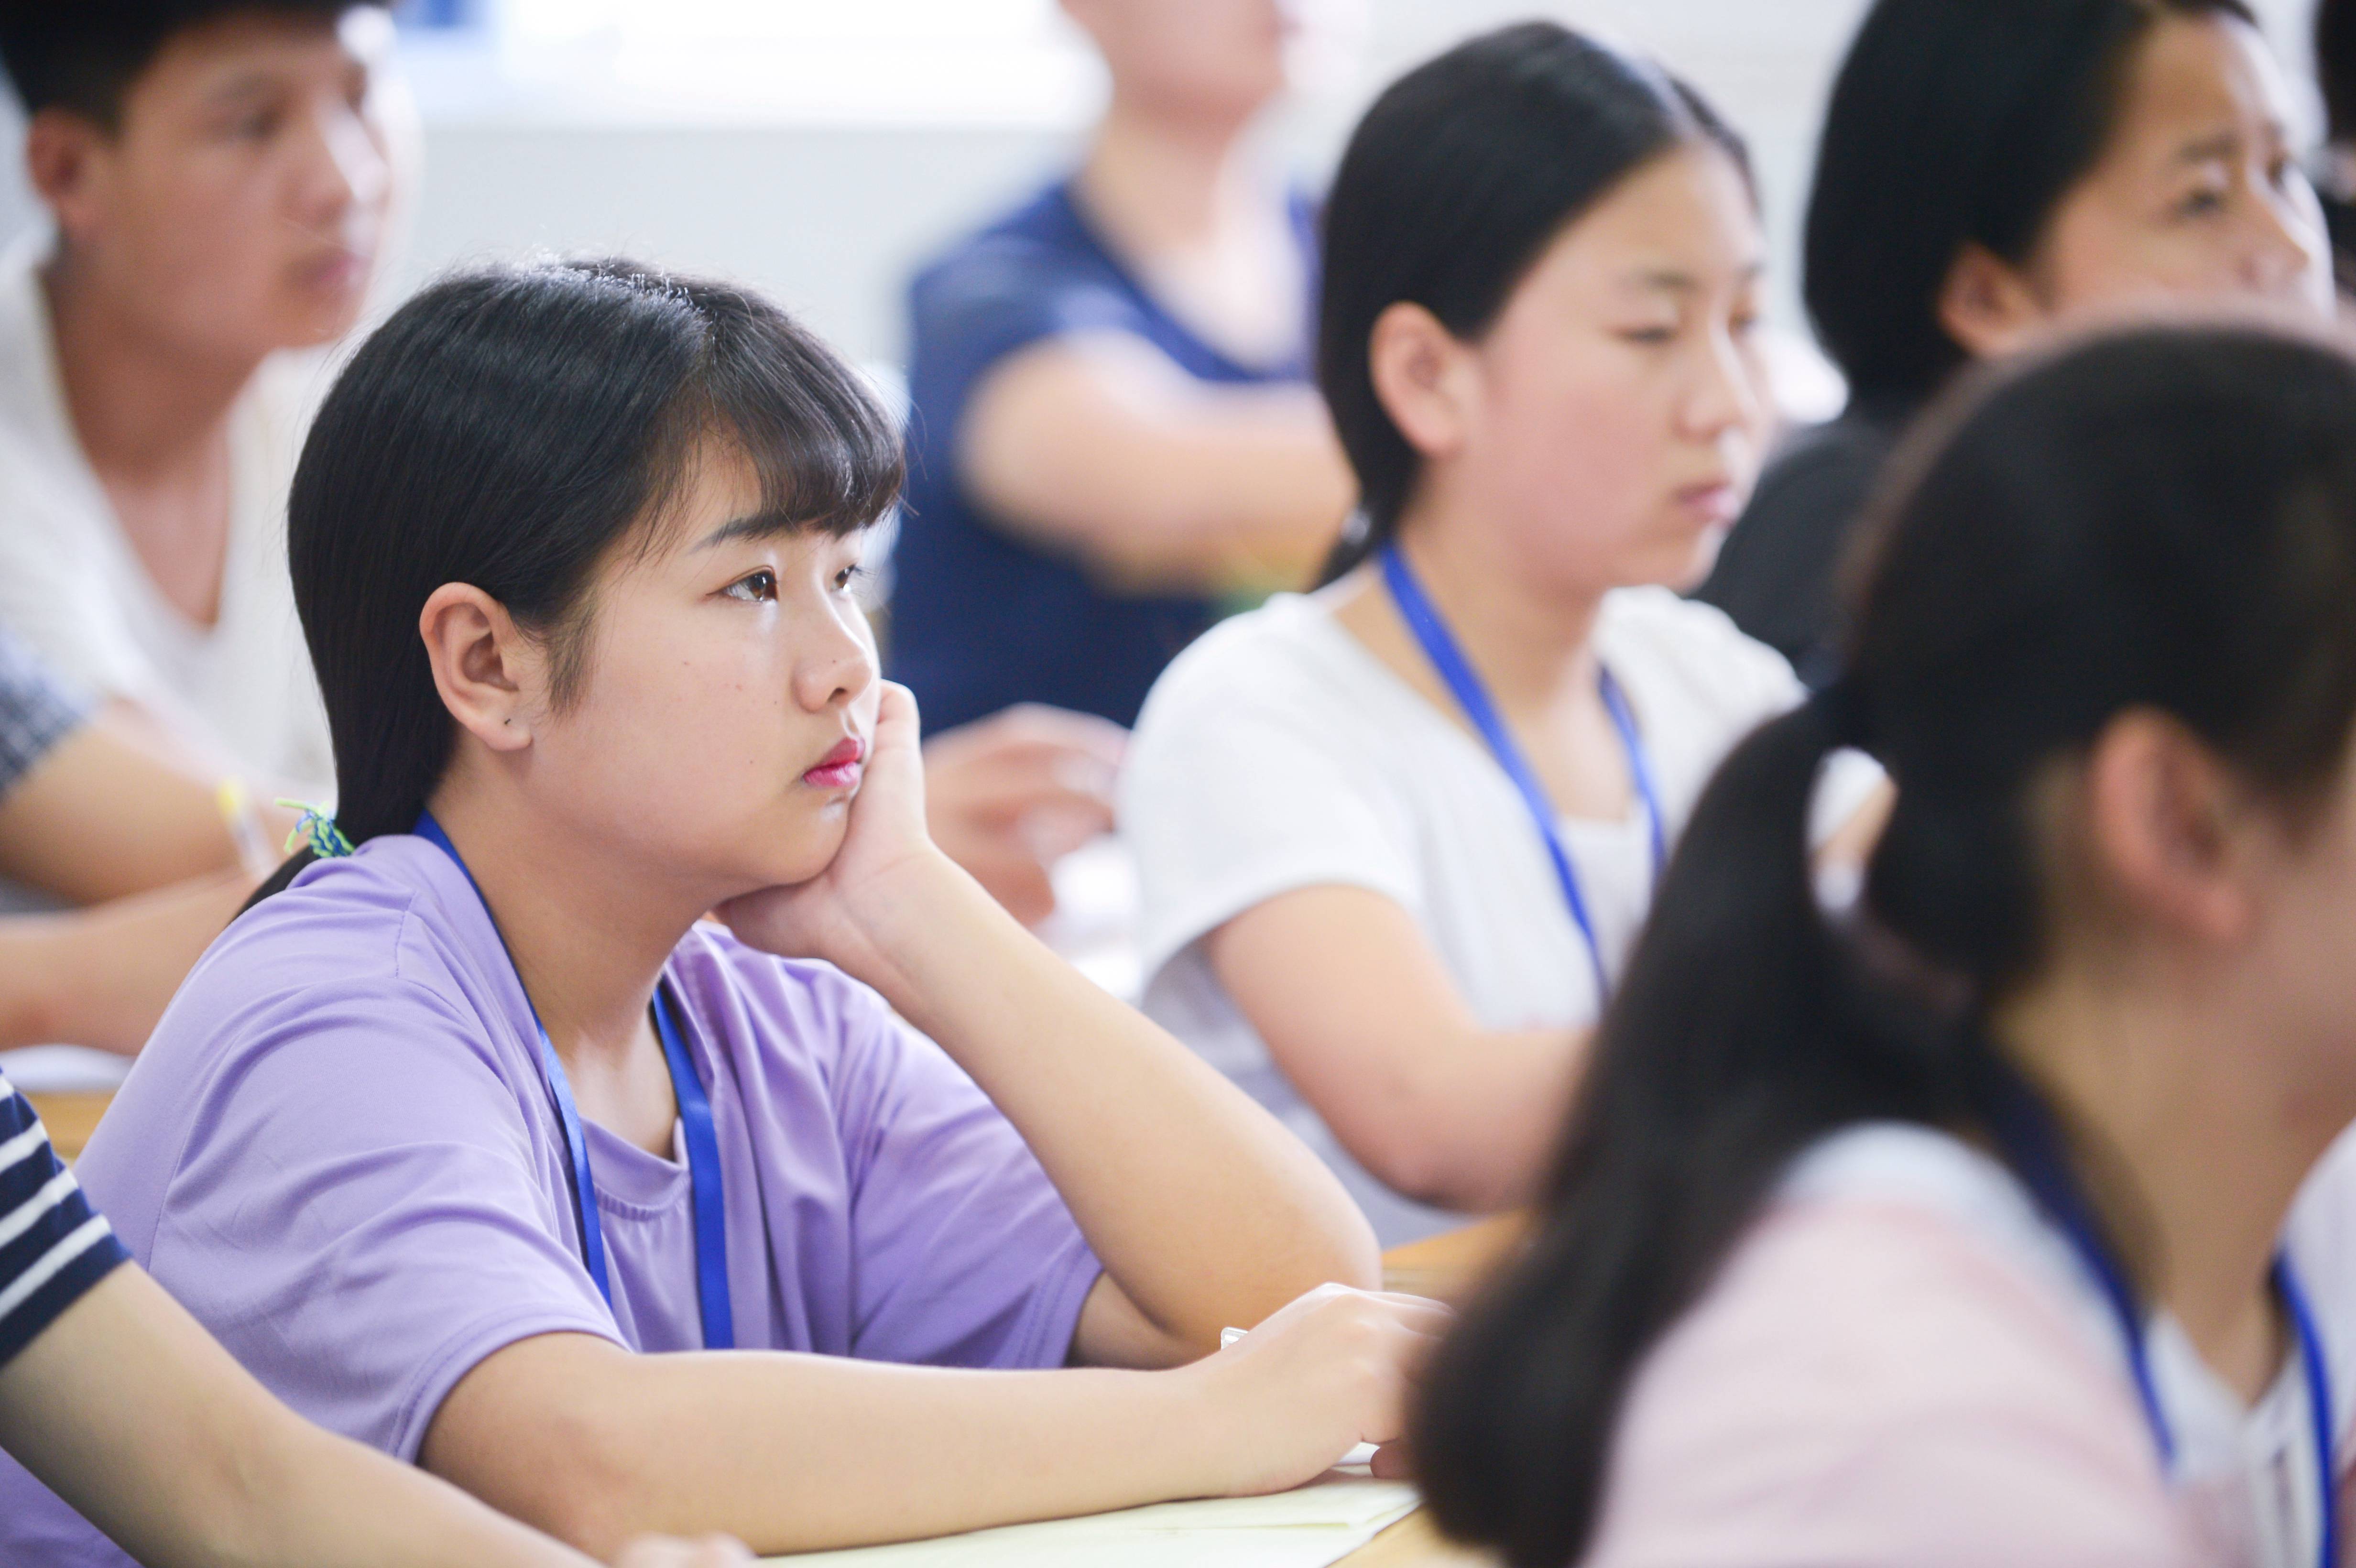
{"x": 832, "y": 217}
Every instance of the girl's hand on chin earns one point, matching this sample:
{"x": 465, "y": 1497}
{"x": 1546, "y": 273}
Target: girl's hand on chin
{"x": 839, "y": 915}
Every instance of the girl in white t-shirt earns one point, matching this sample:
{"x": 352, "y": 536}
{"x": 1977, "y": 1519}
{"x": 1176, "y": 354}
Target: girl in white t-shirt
{"x": 1542, "y": 271}
{"x": 1967, "y": 1227}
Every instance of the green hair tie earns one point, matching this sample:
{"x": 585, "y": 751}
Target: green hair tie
{"x": 317, "y": 832}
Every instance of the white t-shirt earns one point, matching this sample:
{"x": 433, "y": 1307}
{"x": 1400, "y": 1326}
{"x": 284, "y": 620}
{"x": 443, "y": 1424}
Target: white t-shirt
{"x": 1277, "y": 752}
{"x": 70, "y": 584}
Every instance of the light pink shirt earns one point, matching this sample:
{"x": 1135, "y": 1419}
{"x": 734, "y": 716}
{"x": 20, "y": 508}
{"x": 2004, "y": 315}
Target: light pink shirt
{"x": 1899, "y": 1366}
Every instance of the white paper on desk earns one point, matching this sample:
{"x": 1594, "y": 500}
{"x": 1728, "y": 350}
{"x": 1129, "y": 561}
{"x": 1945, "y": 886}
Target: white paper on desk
{"x": 1308, "y": 1527}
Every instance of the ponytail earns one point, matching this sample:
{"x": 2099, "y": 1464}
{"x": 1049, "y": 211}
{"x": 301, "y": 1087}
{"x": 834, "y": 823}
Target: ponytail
{"x": 1743, "y": 1004}
{"x": 2164, "y": 519}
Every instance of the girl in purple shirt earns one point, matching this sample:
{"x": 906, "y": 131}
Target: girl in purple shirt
{"x": 452, "y": 1126}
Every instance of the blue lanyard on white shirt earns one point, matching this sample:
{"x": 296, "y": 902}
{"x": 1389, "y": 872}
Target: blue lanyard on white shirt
{"x": 695, "y": 1122}
{"x": 1440, "y": 647}
{"x": 2026, "y": 1129}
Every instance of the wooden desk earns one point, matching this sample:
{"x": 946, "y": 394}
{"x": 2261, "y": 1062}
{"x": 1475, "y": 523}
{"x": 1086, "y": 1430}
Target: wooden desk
{"x": 1412, "y": 1543}
{"x": 1448, "y": 1267}
{"x": 70, "y": 1118}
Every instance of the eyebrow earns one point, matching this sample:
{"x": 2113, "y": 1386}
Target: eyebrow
{"x": 244, "y": 85}
{"x": 1674, "y": 281}
{"x": 2208, "y": 149}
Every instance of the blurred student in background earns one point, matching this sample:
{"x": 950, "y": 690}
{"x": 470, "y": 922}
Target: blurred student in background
{"x": 1958, "y": 1228}
{"x": 218, "y": 178}
{"x": 1396, "y": 838}
{"x": 218, "y": 175}
{"x": 1990, "y": 168}
{"x": 1111, "y": 427}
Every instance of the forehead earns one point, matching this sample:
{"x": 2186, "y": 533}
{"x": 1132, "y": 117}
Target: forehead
{"x": 247, "y": 48}
{"x": 716, "y": 505}
{"x": 2197, "y": 77}
{"x": 1686, "y": 214}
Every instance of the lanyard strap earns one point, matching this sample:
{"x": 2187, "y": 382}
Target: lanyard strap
{"x": 703, "y": 1182}
{"x": 695, "y": 1121}
{"x": 2024, "y": 1128}
{"x": 1440, "y": 647}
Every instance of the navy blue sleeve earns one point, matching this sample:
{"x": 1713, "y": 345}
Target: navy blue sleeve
{"x": 53, "y": 1245}
{"x": 995, "y": 296}
{"x": 36, "y": 711}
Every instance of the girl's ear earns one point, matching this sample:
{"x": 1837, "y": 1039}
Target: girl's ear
{"x": 482, "y": 667}
{"x": 1423, "y": 377}
{"x": 1987, "y": 305}
{"x": 2168, "y": 825}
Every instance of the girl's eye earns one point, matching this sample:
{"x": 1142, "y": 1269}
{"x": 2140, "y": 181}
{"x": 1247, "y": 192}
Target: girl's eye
{"x": 2206, "y": 202}
{"x": 1650, "y": 336}
{"x": 755, "y": 588}
{"x": 847, "y": 576}
{"x": 1743, "y": 325}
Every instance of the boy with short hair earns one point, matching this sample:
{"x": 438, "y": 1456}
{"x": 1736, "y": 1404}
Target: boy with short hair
{"x": 217, "y": 176}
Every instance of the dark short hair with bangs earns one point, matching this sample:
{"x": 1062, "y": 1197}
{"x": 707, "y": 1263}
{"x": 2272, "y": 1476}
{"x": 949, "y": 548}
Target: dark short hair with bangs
{"x": 512, "y": 428}
{"x": 83, "y": 55}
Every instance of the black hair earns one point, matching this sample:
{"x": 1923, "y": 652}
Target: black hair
{"x": 2163, "y": 519}
{"x": 1955, "y": 122}
{"x": 2335, "y": 66}
{"x": 83, "y": 55}
{"x": 1451, "y": 188}
{"x": 513, "y": 429}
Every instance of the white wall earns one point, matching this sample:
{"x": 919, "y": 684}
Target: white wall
{"x": 830, "y": 219}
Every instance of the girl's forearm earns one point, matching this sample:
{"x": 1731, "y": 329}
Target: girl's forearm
{"x": 799, "y": 1453}
{"x": 1203, "y": 1210}
{"x": 101, "y": 976}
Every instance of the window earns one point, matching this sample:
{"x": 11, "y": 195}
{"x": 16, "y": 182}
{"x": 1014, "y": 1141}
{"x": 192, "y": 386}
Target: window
{"x": 842, "y": 61}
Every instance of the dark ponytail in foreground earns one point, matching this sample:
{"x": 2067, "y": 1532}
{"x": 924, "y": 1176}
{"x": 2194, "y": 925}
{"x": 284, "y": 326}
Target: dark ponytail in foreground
{"x": 2162, "y": 519}
{"x": 511, "y": 429}
{"x": 1452, "y": 186}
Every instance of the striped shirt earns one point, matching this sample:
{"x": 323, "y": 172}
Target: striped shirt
{"x": 53, "y": 1244}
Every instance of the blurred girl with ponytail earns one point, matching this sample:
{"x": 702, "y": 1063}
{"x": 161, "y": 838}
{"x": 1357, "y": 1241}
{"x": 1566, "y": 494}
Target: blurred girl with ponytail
{"x": 1964, "y": 1225}
{"x": 1397, "y": 837}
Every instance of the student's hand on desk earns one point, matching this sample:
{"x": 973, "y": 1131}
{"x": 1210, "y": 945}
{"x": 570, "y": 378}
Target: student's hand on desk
{"x": 1009, "y": 796}
{"x": 662, "y": 1552}
{"x": 1326, "y": 1374}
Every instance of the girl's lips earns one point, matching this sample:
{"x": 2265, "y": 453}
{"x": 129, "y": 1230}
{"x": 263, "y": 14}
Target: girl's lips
{"x": 840, "y": 768}
{"x": 1717, "y": 502}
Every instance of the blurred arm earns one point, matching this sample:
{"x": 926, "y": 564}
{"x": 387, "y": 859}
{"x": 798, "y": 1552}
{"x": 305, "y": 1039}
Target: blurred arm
{"x": 109, "y": 812}
{"x": 1363, "y": 1018}
{"x": 1099, "y": 444}
{"x": 101, "y": 976}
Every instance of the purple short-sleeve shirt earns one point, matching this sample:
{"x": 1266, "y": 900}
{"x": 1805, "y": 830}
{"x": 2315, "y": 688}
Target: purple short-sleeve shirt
{"x": 338, "y": 1151}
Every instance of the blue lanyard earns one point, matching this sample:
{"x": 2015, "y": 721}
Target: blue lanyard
{"x": 2026, "y": 1129}
{"x": 695, "y": 1122}
{"x": 1440, "y": 647}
